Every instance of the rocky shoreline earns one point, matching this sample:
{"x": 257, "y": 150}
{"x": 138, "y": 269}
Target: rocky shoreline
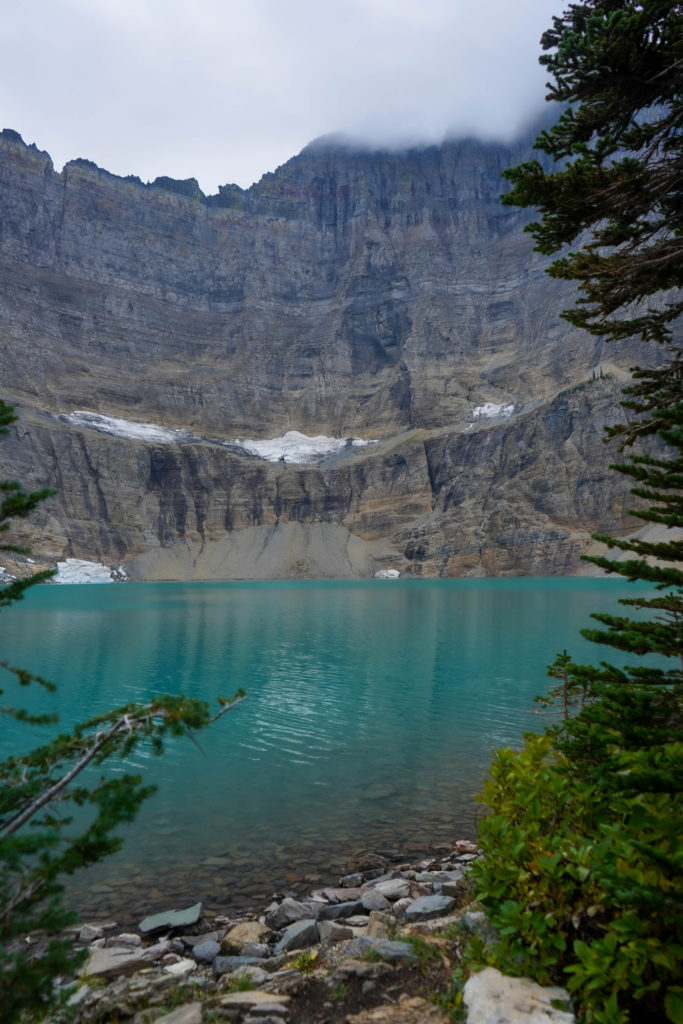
{"x": 377, "y": 948}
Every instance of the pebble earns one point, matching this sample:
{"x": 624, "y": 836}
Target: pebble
{"x": 350, "y": 920}
{"x": 298, "y": 935}
{"x": 393, "y": 888}
{"x": 171, "y": 919}
{"x": 426, "y": 907}
{"x": 206, "y": 952}
{"x": 181, "y": 967}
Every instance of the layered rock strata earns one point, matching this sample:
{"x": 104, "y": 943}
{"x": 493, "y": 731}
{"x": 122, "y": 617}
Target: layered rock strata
{"x": 380, "y": 295}
{"x": 519, "y": 496}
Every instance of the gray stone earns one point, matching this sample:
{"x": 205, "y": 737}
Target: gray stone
{"x": 464, "y": 846}
{"x": 273, "y": 963}
{"x": 385, "y": 949}
{"x": 277, "y": 1010}
{"x": 249, "y": 1000}
{"x": 394, "y": 888}
{"x": 183, "y": 966}
{"x": 206, "y": 952}
{"x": 242, "y": 933}
{"x": 299, "y": 935}
{"x": 254, "y": 1018}
{"x": 432, "y": 876}
{"x": 340, "y": 910}
{"x": 494, "y": 998}
{"x": 171, "y": 919}
{"x": 255, "y": 974}
{"x": 339, "y": 895}
{"x": 400, "y": 906}
{"x": 90, "y": 932}
{"x": 351, "y": 881}
{"x": 380, "y": 924}
{"x": 114, "y": 960}
{"x": 453, "y": 889}
{"x": 156, "y": 951}
{"x": 290, "y": 911}
{"x": 259, "y": 949}
{"x": 474, "y": 920}
{"x": 79, "y": 995}
{"x": 357, "y": 920}
{"x": 353, "y": 968}
{"x": 332, "y": 931}
{"x": 373, "y": 899}
{"x": 426, "y": 907}
{"x": 191, "y": 1013}
{"x": 436, "y": 924}
{"x": 226, "y": 964}
{"x": 195, "y": 940}
{"x": 128, "y": 939}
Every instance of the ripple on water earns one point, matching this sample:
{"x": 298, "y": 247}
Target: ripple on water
{"x": 369, "y": 720}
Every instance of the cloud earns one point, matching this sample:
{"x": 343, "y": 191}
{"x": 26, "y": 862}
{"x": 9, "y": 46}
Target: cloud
{"x": 225, "y": 91}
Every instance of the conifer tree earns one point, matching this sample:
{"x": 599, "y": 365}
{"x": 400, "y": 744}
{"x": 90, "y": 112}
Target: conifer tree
{"x": 583, "y": 867}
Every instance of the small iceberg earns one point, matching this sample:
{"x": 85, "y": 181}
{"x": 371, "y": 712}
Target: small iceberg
{"x": 489, "y": 410}
{"x": 296, "y": 447}
{"x": 77, "y": 570}
{"x": 387, "y": 574}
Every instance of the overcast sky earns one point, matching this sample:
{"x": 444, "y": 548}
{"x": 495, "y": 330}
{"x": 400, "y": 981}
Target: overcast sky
{"x": 224, "y": 91}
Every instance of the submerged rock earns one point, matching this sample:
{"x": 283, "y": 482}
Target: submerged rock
{"x": 171, "y": 919}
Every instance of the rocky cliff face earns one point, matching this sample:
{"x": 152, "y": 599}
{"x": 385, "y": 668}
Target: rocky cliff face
{"x": 380, "y": 295}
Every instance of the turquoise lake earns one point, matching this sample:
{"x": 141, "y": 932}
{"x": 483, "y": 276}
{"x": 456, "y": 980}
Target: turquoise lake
{"x": 371, "y": 712}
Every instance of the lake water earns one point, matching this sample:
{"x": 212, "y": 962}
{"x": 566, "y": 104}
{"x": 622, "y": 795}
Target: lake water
{"x": 371, "y": 714}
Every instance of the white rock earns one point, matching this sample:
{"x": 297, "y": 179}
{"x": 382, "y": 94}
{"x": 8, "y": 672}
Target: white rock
{"x": 184, "y": 966}
{"x": 494, "y": 998}
{"x": 191, "y": 1013}
{"x": 394, "y": 888}
{"x": 79, "y": 995}
{"x": 114, "y": 960}
{"x": 387, "y": 574}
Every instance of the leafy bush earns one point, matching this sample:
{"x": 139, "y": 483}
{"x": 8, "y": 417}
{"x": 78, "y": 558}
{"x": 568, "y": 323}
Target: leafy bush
{"x": 584, "y": 888}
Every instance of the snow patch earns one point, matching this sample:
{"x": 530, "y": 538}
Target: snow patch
{"x": 127, "y": 428}
{"x": 77, "y": 570}
{"x": 387, "y": 574}
{"x": 489, "y": 410}
{"x": 296, "y": 447}
{"x": 292, "y": 447}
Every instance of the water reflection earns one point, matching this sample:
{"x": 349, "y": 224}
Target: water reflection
{"x": 371, "y": 713}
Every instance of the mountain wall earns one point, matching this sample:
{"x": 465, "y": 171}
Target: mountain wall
{"x": 387, "y": 296}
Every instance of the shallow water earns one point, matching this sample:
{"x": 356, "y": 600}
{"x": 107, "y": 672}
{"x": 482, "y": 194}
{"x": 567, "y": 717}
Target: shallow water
{"x": 371, "y": 713}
